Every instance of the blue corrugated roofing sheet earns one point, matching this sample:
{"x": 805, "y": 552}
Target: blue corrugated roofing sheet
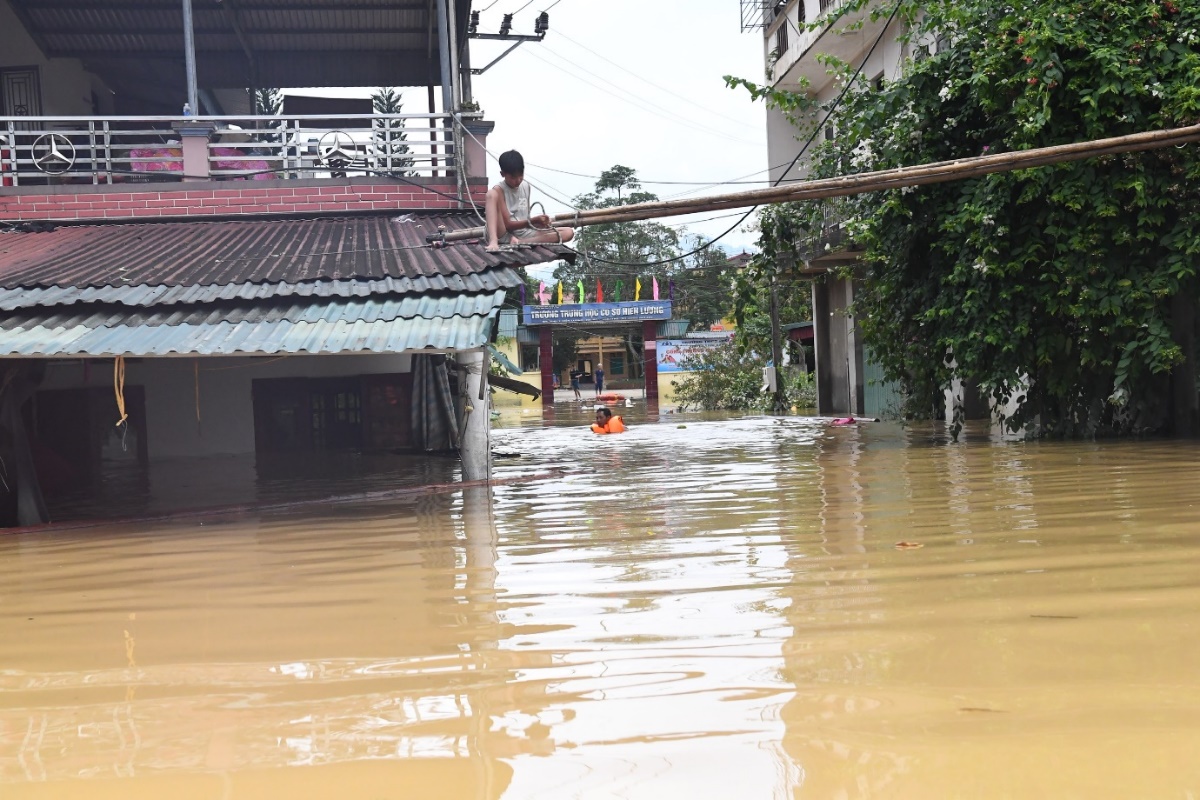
{"x": 144, "y": 296}
{"x": 419, "y": 323}
{"x": 331, "y": 285}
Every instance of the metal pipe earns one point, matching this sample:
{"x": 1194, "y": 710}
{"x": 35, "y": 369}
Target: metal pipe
{"x": 189, "y": 56}
{"x": 460, "y": 173}
{"x": 447, "y": 72}
{"x": 452, "y": 38}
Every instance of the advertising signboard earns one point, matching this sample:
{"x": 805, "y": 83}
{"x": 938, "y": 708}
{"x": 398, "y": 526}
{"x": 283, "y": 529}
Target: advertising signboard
{"x": 672, "y": 352}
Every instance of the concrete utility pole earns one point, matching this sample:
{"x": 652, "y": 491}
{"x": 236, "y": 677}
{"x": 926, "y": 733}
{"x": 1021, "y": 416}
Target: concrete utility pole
{"x": 779, "y": 402}
{"x": 475, "y": 447}
{"x": 449, "y": 80}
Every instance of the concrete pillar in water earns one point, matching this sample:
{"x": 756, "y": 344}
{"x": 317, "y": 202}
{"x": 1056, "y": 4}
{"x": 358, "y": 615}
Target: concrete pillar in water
{"x": 650, "y": 358}
{"x": 546, "y": 360}
{"x": 476, "y": 445}
{"x": 1184, "y": 421}
{"x": 821, "y": 348}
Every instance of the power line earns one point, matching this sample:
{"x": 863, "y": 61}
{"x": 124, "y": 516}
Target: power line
{"x": 647, "y": 81}
{"x": 636, "y": 103}
{"x": 527, "y": 5}
{"x": 617, "y": 86}
{"x": 648, "y": 181}
{"x": 808, "y": 143}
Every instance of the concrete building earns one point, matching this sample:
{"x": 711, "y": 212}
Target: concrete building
{"x": 795, "y": 35}
{"x": 223, "y": 283}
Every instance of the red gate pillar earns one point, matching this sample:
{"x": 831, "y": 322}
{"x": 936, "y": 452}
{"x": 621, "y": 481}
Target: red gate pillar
{"x": 650, "y": 358}
{"x": 546, "y": 360}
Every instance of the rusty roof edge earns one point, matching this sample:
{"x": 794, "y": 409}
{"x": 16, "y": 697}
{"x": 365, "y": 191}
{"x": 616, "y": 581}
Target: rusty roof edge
{"x": 262, "y": 251}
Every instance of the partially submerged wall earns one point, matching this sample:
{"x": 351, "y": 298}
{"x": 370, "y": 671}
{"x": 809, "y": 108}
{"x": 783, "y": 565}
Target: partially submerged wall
{"x": 226, "y": 409}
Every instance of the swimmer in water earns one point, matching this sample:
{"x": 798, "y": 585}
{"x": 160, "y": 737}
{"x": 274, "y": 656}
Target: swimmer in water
{"x": 607, "y": 423}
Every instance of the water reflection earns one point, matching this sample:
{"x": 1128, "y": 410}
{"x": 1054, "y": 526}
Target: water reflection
{"x": 262, "y": 645}
{"x": 695, "y": 608}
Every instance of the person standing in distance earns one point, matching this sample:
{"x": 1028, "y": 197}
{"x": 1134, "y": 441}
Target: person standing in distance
{"x": 507, "y": 212}
{"x": 598, "y": 375}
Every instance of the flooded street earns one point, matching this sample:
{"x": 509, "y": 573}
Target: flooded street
{"x": 695, "y": 609}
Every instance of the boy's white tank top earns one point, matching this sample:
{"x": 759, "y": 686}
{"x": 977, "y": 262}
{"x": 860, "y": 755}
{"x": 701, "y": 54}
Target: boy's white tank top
{"x": 517, "y": 201}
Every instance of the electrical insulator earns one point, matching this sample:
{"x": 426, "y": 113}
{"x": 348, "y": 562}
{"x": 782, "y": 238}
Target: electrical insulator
{"x": 506, "y": 24}
{"x": 474, "y": 26}
{"x": 542, "y": 25}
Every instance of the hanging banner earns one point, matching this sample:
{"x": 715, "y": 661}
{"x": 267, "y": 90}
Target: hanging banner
{"x": 673, "y": 352}
{"x": 574, "y": 313}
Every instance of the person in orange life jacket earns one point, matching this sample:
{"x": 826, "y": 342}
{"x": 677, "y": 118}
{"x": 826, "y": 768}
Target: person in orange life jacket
{"x": 607, "y": 423}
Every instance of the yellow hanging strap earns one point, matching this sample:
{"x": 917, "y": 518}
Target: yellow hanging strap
{"x": 119, "y": 388}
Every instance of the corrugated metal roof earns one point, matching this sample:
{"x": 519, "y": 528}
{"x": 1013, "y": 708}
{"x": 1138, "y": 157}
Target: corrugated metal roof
{"x": 295, "y": 42}
{"x": 508, "y": 323}
{"x": 372, "y": 309}
{"x": 198, "y": 253}
{"x": 447, "y": 323}
{"x": 148, "y": 296}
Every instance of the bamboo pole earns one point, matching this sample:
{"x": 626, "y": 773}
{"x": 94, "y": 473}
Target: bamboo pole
{"x": 902, "y": 177}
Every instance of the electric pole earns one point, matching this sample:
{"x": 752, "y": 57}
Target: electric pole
{"x": 778, "y": 402}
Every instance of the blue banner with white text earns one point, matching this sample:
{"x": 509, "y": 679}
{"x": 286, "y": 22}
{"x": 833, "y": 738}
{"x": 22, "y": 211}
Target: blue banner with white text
{"x": 575, "y": 313}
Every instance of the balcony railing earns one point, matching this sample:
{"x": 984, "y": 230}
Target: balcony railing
{"x": 831, "y": 238}
{"x": 108, "y": 150}
{"x": 760, "y": 13}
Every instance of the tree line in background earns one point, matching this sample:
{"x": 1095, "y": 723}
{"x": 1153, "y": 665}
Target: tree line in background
{"x": 1067, "y": 293}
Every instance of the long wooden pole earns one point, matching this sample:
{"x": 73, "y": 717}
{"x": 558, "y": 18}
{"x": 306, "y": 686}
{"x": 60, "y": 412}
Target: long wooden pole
{"x": 937, "y": 172}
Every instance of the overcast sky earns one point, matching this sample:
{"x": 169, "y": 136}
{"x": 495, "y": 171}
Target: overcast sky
{"x": 631, "y": 82}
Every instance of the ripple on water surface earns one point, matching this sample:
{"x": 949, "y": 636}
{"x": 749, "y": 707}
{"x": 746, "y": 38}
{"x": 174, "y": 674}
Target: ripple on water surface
{"x": 716, "y": 610}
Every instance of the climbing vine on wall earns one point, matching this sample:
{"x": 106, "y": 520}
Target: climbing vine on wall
{"x": 1068, "y": 292}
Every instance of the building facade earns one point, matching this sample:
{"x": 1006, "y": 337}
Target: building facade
{"x": 180, "y": 277}
{"x": 796, "y": 35}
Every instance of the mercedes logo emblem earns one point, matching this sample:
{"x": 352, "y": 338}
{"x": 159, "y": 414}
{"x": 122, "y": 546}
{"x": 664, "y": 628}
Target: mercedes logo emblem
{"x": 337, "y": 148}
{"x": 53, "y": 153}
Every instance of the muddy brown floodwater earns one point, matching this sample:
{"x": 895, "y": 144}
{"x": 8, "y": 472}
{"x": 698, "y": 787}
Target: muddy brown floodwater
{"x": 711, "y": 611}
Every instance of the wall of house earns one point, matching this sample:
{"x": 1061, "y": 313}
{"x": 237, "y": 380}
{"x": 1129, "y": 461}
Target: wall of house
{"x": 226, "y": 424}
{"x": 70, "y": 203}
{"x": 800, "y": 64}
{"x": 501, "y": 399}
{"x": 67, "y": 88}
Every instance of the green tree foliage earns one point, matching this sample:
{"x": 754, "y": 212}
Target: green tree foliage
{"x": 1068, "y": 290}
{"x": 623, "y": 242}
{"x": 267, "y": 102}
{"x": 726, "y": 379}
{"x": 704, "y": 284}
{"x": 388, "y": 138}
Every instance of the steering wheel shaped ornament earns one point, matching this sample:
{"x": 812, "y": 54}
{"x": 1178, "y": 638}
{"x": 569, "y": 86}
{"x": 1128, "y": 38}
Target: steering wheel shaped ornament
{"x": 53, "y": 153}
{"x": 336, "y": 148}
